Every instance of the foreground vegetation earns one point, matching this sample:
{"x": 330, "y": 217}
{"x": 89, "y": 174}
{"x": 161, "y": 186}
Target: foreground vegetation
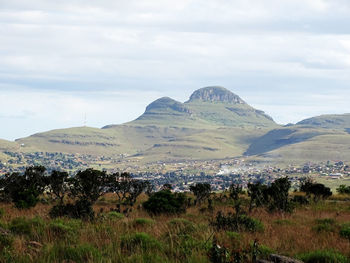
{"x": 234, "y": 226}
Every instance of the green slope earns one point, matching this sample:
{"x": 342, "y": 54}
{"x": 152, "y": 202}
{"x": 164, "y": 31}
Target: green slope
{"x": 340, "y": 121}
{"x": 316, "y": 139}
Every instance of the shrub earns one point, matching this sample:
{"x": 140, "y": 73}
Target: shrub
{"x": 300, "y": 199}
{"x": 143, "y": 241}
{"x": 323, "y": 256}
{"x": 237, "y": 223}
{"x": 343, "y": 189}
{"x": 82, "y": 209}
{"x": 114, "y": 216}
{"x": 2, "y": 212}
{"x": 143, "y": 222}
{"x": 64, "y": 229}
{"x": 6, "y": 241}
{"x": 345, "y": 231}
{"x": 79, "y": 253}
{"x": 165, "y": 202}
{"x": 325, "y": 225}
{"x": 30, "y": 227}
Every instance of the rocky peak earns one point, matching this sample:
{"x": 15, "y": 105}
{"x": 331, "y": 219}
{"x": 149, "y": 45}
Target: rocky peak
{"x": 216, "y": 94}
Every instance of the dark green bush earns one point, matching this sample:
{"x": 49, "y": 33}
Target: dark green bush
{"x": 323, "y": 256}
{"x": 300, "y": 199}
{"x": 233, "y": 222}
{"x": 325, "y": 225}
{"x": 81, "y": 209}
{"x": 33, "y": 227}
{"x": 6, "y": 241}
{"x": 131, "y": 243}
{"x": 165, "y": 202}
{"x": 345, "y": 231}
{"x": 2, "y": 212}
{"x": 143, "y": 222}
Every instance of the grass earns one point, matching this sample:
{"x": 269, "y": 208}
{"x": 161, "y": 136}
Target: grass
{"x": 33, "y": 237}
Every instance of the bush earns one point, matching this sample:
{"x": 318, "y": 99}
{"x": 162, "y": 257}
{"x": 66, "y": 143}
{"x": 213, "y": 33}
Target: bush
{"x": 6, "y": 241}
{"x": 2, "y": 212}
{"x": 323, "y": 256}
{"x": 325, "y": 225}
{"x": 29, "y": 227}
{"x": 143, "y": 241}
{"x": 165, "y": 202}
{"x": 143, "y": 222}
{"x": 114, "y": 216}
{"x": 64, "y": 229}
{"x": 82, "y": 209}
{"x": 79, "y": 253}
{"x": 345, "y": 231}
{"x": 237, "y": 223}
{"x": 300, "y": 199}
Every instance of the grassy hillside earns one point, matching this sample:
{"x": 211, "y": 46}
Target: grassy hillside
{"x": 341, "y": 121}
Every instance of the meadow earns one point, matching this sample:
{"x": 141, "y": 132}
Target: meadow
{"x": 309, "y": 232}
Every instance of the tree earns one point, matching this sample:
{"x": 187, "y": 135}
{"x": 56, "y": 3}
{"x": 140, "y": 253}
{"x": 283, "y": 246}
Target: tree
{"x": 85, "y": 188}
{"x": 201, "y": 191}
{"x": 319, "y": 191}
{"x": 343, "y": 189}
{"x": 58, "y": 185}
{"x": 258, "y": 195}
{"x": 90, "y": 184}
{"x": 278, "y": 194}
{"x": 24, "y": 190}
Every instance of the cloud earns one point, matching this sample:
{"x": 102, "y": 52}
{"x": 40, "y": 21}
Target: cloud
{"x": 145, "y": 47}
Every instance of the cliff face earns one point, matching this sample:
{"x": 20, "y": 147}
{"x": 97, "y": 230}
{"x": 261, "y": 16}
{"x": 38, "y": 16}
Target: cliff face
{"x": 216, "y": 94}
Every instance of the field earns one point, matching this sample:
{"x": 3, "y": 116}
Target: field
{"x": 31, "y": 236}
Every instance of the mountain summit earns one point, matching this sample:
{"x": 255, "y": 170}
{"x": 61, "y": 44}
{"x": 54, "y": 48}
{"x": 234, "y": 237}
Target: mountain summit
{"x": 216, "y": 94}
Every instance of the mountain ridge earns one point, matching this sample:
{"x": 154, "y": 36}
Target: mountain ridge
{"x": 213, "y": 123}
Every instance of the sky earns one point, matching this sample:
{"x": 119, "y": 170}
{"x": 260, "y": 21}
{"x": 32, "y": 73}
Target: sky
{"x": 68, "y": 63}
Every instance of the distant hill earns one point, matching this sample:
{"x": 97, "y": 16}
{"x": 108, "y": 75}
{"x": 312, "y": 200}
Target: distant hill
{"x": 321, "y": 138}
{"x": 340, "y": 121}
{"x": 214, "y": 123}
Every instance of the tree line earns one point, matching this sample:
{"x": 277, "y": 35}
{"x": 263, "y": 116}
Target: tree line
{"x": 74, "y": 196}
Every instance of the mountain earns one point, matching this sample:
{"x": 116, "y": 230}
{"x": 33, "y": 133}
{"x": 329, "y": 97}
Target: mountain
{"x": 213, "y": 123}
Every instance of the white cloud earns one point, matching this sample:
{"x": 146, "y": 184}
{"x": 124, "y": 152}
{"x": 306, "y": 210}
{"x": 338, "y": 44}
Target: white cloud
{"x": 171, "y": 48}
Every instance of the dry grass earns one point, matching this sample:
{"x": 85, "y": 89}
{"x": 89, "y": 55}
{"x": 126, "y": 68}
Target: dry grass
{"x": 288, "y": 234}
